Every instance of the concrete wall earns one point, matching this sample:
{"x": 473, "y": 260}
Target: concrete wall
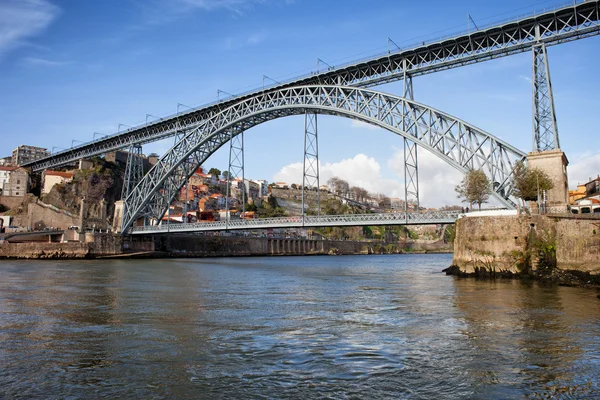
{"x": 44, "y": 250}
{"x": 578, "y": 244}
{"x": 502, "y": 242}
{"x": 40, "y": 217}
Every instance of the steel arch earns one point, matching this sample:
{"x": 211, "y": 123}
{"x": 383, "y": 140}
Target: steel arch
{"x": 458, "y": 143}
{"x": 556, "y": 26}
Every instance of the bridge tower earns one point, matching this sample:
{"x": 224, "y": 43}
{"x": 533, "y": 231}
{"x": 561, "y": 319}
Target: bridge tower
{"x": 411, "y": 165}
{"x": 134, "y": 171}
{"x": 236, "y": 168}
{"x": 310, "y": 175}
{"x": 546, "y": 153}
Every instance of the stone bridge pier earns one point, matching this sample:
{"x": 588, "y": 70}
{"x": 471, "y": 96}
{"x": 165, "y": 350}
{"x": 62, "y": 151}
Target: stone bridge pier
{"x": 554, "y": 163}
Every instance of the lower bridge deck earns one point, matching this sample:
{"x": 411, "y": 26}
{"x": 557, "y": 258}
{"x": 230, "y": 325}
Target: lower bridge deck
{"x": 393, "y": 218}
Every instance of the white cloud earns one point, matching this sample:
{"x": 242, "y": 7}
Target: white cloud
{"x": 584, "y": 167}
{"x": 361, "y": 170}
{"x": 525, "y": 78}
{"x": 23, "y": 19}
{"x": 437, "y": 179}
{"x": 362, "y": 125}
{"x": 236, "y": 6}
{"x": 256, "y": 38}
{"x": 41, "y": 62}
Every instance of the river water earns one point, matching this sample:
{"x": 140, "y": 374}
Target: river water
{"x": 390, "y": 326}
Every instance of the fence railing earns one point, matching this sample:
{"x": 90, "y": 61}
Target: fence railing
{"x": 394, "y": 218}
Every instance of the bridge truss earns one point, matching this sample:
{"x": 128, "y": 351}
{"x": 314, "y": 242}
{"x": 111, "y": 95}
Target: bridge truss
{"x": 460, "y": 144}
{"x": 568, "y": 23}
{"x": 399, "y": 218}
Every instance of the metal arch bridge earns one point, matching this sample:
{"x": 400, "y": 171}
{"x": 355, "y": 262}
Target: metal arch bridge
{"x": 202, "y": 131}
{"x": 397, "y": 218}
{"x": 458, "y": 143}
{"x": 572, "y": 22}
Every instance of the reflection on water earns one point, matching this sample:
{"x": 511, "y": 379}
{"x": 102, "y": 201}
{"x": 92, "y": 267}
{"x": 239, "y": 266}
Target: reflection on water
{"x": 295, "y": 327}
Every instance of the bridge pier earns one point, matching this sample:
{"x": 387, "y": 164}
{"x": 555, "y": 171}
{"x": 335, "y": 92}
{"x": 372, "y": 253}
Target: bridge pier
{"x": 310, "y": 175}
{"x": 554, "y": 163}
{"x": 411, "y": 165}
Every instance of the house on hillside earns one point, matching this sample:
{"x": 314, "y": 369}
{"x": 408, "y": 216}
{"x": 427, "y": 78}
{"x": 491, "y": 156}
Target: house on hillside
{"x": 51, "y": 178}
{"x": 15, "y": 181}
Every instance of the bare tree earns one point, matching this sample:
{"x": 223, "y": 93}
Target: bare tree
{"x": 474, "y": 188}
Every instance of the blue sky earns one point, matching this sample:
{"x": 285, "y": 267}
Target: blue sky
{"x": 71, "y": 68}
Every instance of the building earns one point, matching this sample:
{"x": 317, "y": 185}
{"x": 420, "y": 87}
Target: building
{"x": 120, "y": 157}
{"x": 263, "y": 188}
{"x": 17, "y": 183}
{"x": 578, "y": 194}
{"x": 252, "y": 189}
{"x": 592, "y": 188}
{"x": 153, "y": 158}
{"x": 24, "y": 154}
{"x": 5, "y": 176}
{"x": 6, "y": 161}
{"x": 51, "y": 178}
{"x": 586, "y": 190}
{"x": 396, "y": 204}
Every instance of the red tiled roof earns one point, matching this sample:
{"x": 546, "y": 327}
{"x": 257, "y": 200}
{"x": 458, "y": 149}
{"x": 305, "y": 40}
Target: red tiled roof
{"x": 5, "y": 168}
{"x": 59, "y": 173}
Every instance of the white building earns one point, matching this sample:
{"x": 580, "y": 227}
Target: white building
{"x": 51, "y": 178}
{"x": 5, "y": 177}
{"x": 263, "y": 188}
{"x": 252, "y": 189}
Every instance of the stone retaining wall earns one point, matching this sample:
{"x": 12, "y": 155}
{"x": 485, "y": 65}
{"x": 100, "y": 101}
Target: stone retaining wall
{"x": 503, "y": 243}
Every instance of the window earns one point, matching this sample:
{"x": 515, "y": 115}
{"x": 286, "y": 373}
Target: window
{"x": 18, "y": 181}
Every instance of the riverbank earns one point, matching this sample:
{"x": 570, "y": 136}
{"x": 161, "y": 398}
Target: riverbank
{"x": 558, "y": 250}
{"x": 193, "y": 246}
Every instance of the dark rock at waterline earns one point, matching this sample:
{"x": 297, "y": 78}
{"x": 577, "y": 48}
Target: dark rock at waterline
{"x": 556, "y": 276}
{"x": 453, "y": 270}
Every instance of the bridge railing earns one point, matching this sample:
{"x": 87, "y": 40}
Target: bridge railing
{"x": 393, "y": 218}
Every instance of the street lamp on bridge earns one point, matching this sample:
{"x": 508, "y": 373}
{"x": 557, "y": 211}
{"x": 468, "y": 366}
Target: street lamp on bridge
{"x": 154, "y": 116}
{"x": 219, "y": 91}
{"x": 98, "y": 133}
{"x": 271, "y": 79}
{"x": 120, "y": 125}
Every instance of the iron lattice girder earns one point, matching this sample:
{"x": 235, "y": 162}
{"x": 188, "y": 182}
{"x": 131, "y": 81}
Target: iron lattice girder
{"x": 460, "y": 144}
{"x": 134, "y": 170}
{"x": 553, "y": 27}
{"x": 410, "y": 218}
{"x": 545, "y": 129}
{"x": 310, "y": 174}
{"x": 411, "y": 164}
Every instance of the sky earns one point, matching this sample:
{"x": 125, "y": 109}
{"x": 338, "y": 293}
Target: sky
{"x": 73, "y": 69}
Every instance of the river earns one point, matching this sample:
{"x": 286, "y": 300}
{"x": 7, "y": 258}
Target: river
{"x": 389, "y": 326}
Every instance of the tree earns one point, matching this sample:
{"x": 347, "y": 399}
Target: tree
{"x": 474, "y": 188}
{"x": 215, "y": 171}
{"x": 294, "y": 186}
{"x": 338, "y": 186}
{"x": 529, "y": 183}
{"x": 225, "y": 174}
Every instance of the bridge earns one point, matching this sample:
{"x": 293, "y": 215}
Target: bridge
{"x": 344, "y": 91}
{"x": 307, "y": 221}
